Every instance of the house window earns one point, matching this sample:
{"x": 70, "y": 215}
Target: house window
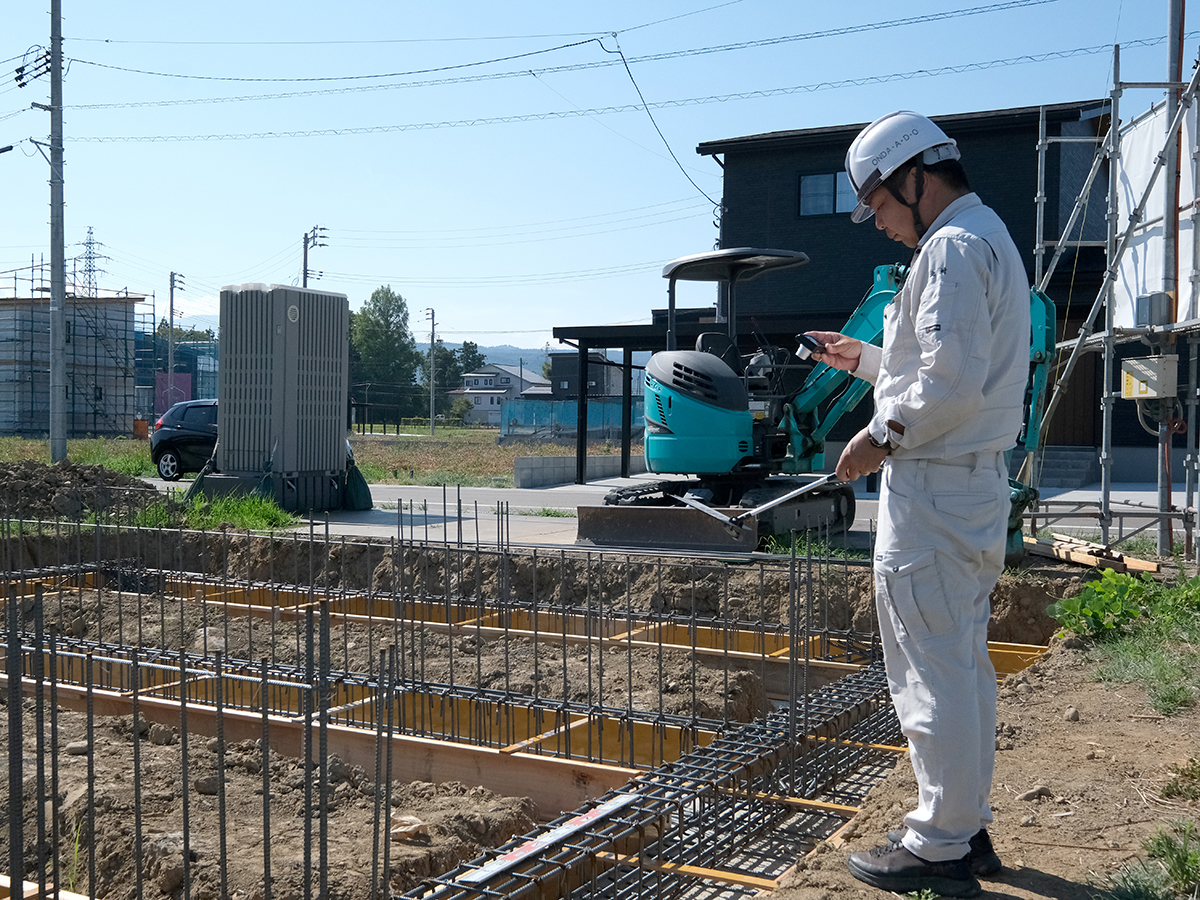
{"x": 563, "y": 385}
{"x": 478, "y": 400}
{"x": 504, "y": 380}
{"x": 824, "y": 194}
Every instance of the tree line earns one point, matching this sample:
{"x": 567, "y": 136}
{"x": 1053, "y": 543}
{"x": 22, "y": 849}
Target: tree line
{"x": 389, "y": 376}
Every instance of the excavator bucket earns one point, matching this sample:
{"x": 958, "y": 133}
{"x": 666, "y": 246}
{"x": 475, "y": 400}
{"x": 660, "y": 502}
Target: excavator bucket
{"x": 665, "y": 528}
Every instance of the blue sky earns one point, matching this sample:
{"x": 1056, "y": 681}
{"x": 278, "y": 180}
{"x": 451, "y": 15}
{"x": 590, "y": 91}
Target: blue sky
{"x": 489, "y": 161}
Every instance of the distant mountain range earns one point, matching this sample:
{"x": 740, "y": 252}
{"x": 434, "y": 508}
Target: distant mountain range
{"x": 503, "y": 354}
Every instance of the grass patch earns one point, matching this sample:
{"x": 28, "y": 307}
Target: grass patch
{"x": 125, "y": 455}
{"x": 1184, "y": 782}
{"x": 818, "y": 547}
{"x": 546, "y": 511}
{"x": 1172, "y": 871}
{"x": 469, "y": 458}
{"x": 1137, "y": 882}
{"x": 242, "y": 512}
{"x": 1160, "y": 650}
{"x": 1177, "y": 850}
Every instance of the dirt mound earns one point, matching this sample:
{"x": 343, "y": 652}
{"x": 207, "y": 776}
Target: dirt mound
{"x": 32, "y": 490}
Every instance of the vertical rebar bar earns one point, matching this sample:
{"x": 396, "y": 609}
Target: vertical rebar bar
{"x": 183, "y": 768}
{"x": 387, "y": 787}
{"x": 14, "y": 665}
{"x": 323, "y": 751}
{"x": 223, "y": 855}
{"x": 91, "y": 775}
{"x": 265, "y": 750}
{"x": 55, "y": 799}
{"x": 135, "y": 687}
{"x": 380, "y": 699}
{"x": 39, "y": 672}
{"x": 309, "y": 682}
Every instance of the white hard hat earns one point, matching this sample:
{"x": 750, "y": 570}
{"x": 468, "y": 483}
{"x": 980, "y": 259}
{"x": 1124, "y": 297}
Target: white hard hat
{"x": 885, "y": 145}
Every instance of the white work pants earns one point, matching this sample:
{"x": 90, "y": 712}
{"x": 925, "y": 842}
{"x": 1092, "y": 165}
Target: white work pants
{"x": 938, "y": 554}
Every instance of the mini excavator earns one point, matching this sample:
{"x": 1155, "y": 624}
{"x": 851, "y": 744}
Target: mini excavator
{"x": 748, "y": 430}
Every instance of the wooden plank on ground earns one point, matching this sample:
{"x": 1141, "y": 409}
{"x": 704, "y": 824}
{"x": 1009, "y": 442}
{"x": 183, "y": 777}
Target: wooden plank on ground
{"x": 1072, "y": 553}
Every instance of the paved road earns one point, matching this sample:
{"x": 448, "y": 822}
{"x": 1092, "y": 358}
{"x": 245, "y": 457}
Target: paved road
{"x": 471, "y": 513}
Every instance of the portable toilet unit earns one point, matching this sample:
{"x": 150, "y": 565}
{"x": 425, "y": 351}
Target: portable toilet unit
{"x": 282, "y": 392}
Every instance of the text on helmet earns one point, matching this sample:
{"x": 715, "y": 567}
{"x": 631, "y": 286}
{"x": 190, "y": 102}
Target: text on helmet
{"x": 897, "y": 144}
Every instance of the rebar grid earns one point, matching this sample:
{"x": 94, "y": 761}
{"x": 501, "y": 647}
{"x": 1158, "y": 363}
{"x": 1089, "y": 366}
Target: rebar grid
{"x": 725, "y": 800}
{"x": 696, "y": 816}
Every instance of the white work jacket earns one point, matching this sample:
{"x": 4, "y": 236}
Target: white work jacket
{"x": 955, "y": 358}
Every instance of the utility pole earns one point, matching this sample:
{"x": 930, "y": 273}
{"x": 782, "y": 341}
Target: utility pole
{"x": 432, "y": 355}
{"x": 176, "y": 284}
{"x": 312, "y": 238}
{"x": 58, "y": 255}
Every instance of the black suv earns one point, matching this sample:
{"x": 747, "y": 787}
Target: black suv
{"x": 184, "y": 438}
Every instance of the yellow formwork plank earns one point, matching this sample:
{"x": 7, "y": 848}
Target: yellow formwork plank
{"x": 1010, "y": 658}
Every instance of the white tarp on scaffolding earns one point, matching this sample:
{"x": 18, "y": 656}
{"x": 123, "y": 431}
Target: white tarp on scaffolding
{"x": 1141, "y": 268}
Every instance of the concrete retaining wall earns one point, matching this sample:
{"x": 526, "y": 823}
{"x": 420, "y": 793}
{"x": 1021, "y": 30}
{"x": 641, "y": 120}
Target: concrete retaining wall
{"x": 540, "y": 471}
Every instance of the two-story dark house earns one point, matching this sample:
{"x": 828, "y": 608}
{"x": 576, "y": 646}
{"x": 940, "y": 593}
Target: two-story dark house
{"x": 788, "y": 190}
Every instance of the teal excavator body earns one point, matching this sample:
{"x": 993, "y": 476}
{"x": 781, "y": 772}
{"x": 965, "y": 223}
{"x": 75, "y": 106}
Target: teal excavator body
{"x": 738, "y": 425}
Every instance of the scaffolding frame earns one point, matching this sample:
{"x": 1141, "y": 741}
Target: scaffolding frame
{"x": 1115, "y": 247}
{"x": 102, "y": 362}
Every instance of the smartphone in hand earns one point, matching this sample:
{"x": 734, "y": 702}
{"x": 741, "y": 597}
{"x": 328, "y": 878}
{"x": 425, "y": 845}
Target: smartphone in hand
{"x": 809, "y": 345}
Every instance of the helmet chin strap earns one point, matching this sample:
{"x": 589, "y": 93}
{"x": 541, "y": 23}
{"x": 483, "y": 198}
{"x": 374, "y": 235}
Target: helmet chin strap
{"x": 919, "y": 187}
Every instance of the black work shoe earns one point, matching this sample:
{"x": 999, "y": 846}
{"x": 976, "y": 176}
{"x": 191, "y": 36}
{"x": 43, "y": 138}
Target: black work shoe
{"x": 893, "y": 868}
{"x": 981, "y": 857}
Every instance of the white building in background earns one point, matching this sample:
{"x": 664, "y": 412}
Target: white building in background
{"x": 490, "y": 385}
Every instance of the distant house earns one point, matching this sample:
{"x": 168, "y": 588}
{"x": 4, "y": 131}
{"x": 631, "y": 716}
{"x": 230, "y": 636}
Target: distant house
{"x": 490, "y": 385}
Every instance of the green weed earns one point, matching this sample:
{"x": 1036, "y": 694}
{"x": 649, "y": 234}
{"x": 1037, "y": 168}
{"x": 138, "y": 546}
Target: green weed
{"x": 825, "y": 549}
{"x": 73, "y": 869}
{"x": 1162, "y": 652}
{"x": 1177, "y": 850}
{"x": 1136, "y": 882}
{"x": 1185, "y": 782}
{"x": 547, "y": 511}
{"x": 241, "y": 511}
{"x": 1102, "y": 606}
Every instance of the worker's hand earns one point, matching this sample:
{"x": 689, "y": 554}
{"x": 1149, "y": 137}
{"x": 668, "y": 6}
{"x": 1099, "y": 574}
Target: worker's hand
{"x": 860, "y": 458}
{"x": 840, "y": 352}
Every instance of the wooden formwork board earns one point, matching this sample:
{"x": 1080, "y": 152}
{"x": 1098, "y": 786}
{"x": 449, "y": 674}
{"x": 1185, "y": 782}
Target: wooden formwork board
{"x": 553, "y": 784}
{"x": 474, "y": 721}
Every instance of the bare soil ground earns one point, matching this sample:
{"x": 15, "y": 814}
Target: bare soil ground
{"x": 1102, "y": 770}
{"x": 1102, "y": 773}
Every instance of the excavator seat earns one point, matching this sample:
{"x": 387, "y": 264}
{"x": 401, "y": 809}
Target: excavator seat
{"x": 720, "y": 346}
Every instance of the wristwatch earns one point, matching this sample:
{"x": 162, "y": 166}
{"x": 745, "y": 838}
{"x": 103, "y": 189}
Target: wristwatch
{"x": 886, "y": 444}
{"x": 878, "y": 444}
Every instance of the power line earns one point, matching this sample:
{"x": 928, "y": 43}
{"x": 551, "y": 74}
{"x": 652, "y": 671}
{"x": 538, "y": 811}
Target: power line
{"x": 498, "y": 280}
{"x": 624, "y": 215}
{"x": 573, "y": 67}
{"x": 632, "y": 107}
{"x": 484, "y": 62}
{"x": 650, "y": 116}
{"x": 441, "y": 40}
{"x": 530, "y": 238}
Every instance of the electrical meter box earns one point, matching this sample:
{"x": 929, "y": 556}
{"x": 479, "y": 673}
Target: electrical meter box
{"x": 1151, "y": 378}
{"x": 282, "y": 392}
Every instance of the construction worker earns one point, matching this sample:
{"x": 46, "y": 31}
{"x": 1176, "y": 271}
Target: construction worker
{"x": 949, "y": 386}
